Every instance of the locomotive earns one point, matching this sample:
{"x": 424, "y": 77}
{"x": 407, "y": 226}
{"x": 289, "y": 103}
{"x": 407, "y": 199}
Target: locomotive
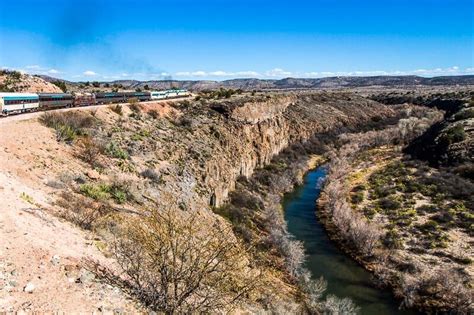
{"x": 28, "y": 102}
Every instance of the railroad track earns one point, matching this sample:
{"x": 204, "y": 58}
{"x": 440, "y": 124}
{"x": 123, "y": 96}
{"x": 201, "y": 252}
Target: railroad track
{"x": 32, "y": 115}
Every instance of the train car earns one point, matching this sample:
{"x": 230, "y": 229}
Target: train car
{"x": 158, "y": 95}
{"x": 110, "y": 97}
{"x": 176, "y": 93}
{"x": 84, "y": 99}
{"x": 183, "y": 92}
{"x": 18, "y": 103}
{"x": 55, "y": 100}
{"x": 141, "y": 96}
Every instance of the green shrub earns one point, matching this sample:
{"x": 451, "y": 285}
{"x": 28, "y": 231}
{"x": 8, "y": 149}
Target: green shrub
{"x": 97, "y": 192}
{"x": 68, "y": 125}
{"x": 112, "y": 149}
{"x": 389, "y": 203}
{"x": 119, "y": 196}
{"x": 357, "y": 197}
{"x": 392, "y": 239}
{"x": 102, "y": 192}
{"x": 464, "y": 114}
{"x": 452, "y": 135}
{"x": 430, "y": 225}
{"x": 61, "y": 85}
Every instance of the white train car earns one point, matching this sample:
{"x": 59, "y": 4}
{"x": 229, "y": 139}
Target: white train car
{"x": 18, "y": 103}
{"x": 176, "y": 93}
{"x": 158, "y": 95}
{"x": 183, "y": 93}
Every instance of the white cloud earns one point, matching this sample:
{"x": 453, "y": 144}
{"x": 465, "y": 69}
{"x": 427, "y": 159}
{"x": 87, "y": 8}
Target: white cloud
{"x": 34, "y": 67}
{"x": 276, "y": 73}
{"x": 248, "y": 74}
{"x": 89, "y": 73}
{"x": 53, "y": 71}
{"x": 279, "y": 73}
{"x": 218, "y": 73}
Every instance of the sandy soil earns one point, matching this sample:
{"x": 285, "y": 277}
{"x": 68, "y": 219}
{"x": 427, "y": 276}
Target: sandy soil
{"x": 39, "y": 252}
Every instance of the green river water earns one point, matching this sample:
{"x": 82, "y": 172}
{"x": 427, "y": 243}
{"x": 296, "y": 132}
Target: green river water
{"x": 344, "y": 276}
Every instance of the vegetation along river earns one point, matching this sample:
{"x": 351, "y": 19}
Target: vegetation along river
{"x": 344, "y": 276}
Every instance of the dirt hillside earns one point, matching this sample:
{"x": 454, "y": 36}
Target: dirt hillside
{"x": 13, "y": 81}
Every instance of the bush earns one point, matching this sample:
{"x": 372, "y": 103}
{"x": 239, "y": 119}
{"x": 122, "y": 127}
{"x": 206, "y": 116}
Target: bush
{"x": 81, "y": 211}
{"x": 452, "y": 135}
{"x": 464, "y": 114}
{"x": 117, "y": 109}
{"x": 393, "y": 240}
{"x": 90, "y": 150}
{"x": 103, "y": 192}
{"x": 389, "y": 203}
{"x": 177, "y": 264}
{"x": 61, "y": 85}
{"x": 68, "y": 125}
{"x": 97, "y": 192}
{"x": 153, "y": 114}
{"x": 112, "y": 149}
{"x": 151, "y": 174}
{"x": 134, "y": 106}
{"x": 357, "y": 197}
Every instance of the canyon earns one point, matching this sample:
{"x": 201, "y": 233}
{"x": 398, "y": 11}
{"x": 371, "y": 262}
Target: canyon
{"x": 91, "y": 170}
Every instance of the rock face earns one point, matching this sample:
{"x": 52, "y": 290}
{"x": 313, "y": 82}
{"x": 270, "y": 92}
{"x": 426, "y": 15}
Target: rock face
{"x": 200, "y": 148}
{"x": 256, "y": 131}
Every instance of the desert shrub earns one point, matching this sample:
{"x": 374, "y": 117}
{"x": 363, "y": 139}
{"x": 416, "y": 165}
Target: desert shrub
{"x": 96, "y": 192}
{"x": 389, "y": 203}
{"x": 68, "y": 125}
{"x": 134, "y": 106}
{"x": 112, "y": 149}
{"x": 141, "y": 135}
{"x": 81, "y": 211}
{"x": 448, "y": 287}
{"x": 426, "y": 209}
{"x": 452, "y": 135}
{"x": 392, "y": 239}
{"x": 151, "y": 174}
{"x": 430, "y": 225}
{"x": 357, "y": 197}
{"x": 118, "y": 109}
{"x": 176, "y": 264}
{"x": 464, "y": 114}
{"x": 61, "y": 85}
{"x": 153, "y": 113}
{"x": 90, "y": 150}
{"x": 103, "y": 192}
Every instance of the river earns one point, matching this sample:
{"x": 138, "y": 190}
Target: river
{"x": 344, "y": 276}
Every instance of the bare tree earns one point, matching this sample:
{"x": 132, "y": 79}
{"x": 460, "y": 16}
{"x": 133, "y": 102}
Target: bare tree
{"x": 179, "y": 264}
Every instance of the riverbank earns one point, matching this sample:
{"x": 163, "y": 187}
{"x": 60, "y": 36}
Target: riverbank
{"x": 344, "y": 276}
{"x": 401, "y": 220}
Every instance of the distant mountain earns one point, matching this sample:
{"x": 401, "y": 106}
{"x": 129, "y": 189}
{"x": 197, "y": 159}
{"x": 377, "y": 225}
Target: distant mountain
{"x": 289, "y": 83}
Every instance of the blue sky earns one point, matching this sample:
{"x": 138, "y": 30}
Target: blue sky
{"x": 221, "y": 39}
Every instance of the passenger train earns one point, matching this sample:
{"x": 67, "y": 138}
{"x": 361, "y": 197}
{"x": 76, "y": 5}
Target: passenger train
{"x": 27, "y": 102}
